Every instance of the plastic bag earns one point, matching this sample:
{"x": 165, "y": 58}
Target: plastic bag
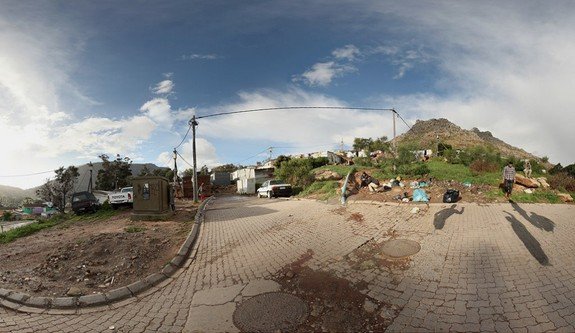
{"x": 420, "y": 195}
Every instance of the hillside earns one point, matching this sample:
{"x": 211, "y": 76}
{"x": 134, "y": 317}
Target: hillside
{"x": 427, "y": 133}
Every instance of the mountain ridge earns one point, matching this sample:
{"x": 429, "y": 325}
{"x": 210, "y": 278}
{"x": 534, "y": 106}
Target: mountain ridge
{"x": 428, "y": 133}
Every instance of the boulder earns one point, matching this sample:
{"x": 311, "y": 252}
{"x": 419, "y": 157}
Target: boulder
{"x": 565, "y": 197}
{"x": 327, "y": 175}
{"x": 543, "y": 182}
{"x": 527, "y": 182}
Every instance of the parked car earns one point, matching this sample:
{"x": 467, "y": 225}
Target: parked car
{"x": 274, "y": 188}
{"x": 84, "y": 202}
{"x": 124, "y": 197}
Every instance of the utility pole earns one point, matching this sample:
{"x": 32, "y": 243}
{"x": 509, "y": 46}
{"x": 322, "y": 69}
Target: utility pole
{"x": 270, "y": 150}
{"x": 194, "y": 123}
{"x": 90, "y": 165}
{"x": 394, "y": 143}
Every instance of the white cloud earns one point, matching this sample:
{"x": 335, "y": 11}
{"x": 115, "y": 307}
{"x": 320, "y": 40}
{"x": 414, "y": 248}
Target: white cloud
{"x": 508, "y": 69}
{"x": 159, "y": 110}
{"x": 323, "y": 73}
{"x": 163, "y": 87}
{"x": 196, "y": 56}
{"x": 311, "y": 129}
{"x": 348, "y": 52}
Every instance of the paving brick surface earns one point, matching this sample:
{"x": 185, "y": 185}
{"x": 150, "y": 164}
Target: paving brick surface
{"x": 495, "y": 267}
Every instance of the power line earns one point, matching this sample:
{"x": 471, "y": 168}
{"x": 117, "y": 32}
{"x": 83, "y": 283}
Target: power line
{"x": 27, "y": 175}
{"x": 183, "y": 159}
{"x": 296, "y": 107}
{"x": 400, "y": 117}
{"x": 184, "y": 139}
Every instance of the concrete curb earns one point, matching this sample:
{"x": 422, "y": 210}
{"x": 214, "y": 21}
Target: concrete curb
{"x": 34, "y": 304}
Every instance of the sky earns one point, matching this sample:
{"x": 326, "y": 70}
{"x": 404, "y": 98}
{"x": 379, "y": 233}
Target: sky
{"x": 83, "y": 78}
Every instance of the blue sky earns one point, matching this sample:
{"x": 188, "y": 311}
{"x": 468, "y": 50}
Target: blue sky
{"x": 82, "y": 78}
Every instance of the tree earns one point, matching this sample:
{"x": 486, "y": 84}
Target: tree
{"x": 59, "y": 190}
{"x": 226, "y": 168}
{"x": 369, "y": 145}
{"x": 114, "y": 174}
{"x": 280, "y": 159}
{"x": 204, "y": 171}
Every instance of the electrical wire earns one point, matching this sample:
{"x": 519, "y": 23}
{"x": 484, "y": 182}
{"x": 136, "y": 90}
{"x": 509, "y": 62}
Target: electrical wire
{"x": 27, "y": 175}
{"x": 295, "y": 107}
{"x": 185, "y": 136}
{"x": 183, "y": 159}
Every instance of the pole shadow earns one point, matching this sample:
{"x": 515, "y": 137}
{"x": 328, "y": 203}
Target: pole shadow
{"x": 538, "y": 221}
{"x": 532, "y": 245}
{"x": 441, "y": 216}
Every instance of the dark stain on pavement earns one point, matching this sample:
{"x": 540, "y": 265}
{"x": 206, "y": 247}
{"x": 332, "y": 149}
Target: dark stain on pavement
{"x": 441, "y": 216}
{"x": 538, "y": 221}
{"x": 532, "y": 245}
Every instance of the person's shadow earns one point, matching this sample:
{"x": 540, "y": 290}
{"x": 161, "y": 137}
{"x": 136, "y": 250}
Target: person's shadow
{"x": 441, "y": 216}
{"x": 528, "y": 240}
{"x": 538, "y": 221}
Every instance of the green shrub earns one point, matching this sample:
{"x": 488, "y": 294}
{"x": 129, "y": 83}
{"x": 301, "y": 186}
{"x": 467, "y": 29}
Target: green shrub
{"x": 362, "y": 161}
{"x": 414, "y": 169}
{"x": 296, "y": 171}
{"x": 7, "y": 216}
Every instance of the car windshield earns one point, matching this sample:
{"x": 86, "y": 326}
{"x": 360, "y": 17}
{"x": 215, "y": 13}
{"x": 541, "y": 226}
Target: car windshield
{"x": 276, "y": 182}
{"x": 127, "y": 189}
{"x": 80, "y": 197}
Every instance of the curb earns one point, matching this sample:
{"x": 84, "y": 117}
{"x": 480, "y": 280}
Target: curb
{"x": 36, "y": 304}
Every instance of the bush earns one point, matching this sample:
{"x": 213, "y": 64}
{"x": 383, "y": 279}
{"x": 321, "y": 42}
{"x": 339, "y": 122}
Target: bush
{"x": 296, "y": 171}
{"x": 362, "y": 161}
{"x": 415, "y": 169}
{"x": 7, "y": 216}
{"x": 562, "y": 181}
{"x": 483, "y": 166}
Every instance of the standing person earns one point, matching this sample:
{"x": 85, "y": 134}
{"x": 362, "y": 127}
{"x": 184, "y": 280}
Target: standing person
{"x": 527, "y": 169}
{"x": 201, "y": 192}
{"x": 508, "y": 179}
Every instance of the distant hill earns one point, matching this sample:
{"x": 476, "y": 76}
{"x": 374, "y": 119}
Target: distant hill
{"x": 12, "y": 196}
{"x": 84, "y": 171}
{"x": 427, "y": 133}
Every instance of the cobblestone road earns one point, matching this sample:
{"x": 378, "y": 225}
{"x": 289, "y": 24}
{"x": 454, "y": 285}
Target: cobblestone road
{"x": 481, "y": 267}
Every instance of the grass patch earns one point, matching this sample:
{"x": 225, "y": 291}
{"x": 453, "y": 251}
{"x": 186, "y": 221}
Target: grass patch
{"x": 445, "y": 171}
{"x": 322, "y": 189}
{"x": 133, "y": 228}
{"x": 13, "y": 234}
{"x": 60, "y": 220}
{"x": 341, "y": 170}
{"x": 536, "y": 197}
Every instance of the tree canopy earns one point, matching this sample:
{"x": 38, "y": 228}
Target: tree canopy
{"x": 114, "y": 173}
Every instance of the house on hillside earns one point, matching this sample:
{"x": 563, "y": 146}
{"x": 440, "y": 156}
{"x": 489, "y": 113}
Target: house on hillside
{"x": 248, "y": 178}
{"x": 38, "y": 208}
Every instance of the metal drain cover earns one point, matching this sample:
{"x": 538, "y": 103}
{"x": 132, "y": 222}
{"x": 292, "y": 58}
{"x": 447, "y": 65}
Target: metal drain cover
{"x": 400, "y": 248}
{"x": 271, "y": 312}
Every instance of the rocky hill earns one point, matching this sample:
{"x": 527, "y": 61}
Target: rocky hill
{"x": 427, "y": 133}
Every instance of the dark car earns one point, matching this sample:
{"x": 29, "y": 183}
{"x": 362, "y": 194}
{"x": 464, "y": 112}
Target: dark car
{"x": 84, "y": 202}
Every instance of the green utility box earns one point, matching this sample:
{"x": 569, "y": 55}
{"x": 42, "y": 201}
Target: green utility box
{"x": 152, "y": 198}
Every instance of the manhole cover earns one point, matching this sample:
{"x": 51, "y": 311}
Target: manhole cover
{"x": 271, "y": 312}
{"x": 400, "y": 248}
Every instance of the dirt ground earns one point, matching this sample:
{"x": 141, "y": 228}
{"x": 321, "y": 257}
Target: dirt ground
{"x": 93, "y": 256}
